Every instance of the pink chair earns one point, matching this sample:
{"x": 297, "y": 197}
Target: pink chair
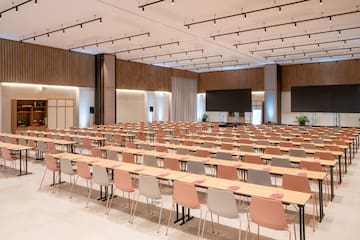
{"x": 6, "y": 156}
{"x": 253, "y": 159}
{"x": 51, "y": 165}
{"x": 86, "y": 145}
{"x": 96, "y": 152}
{"x": 83, "y": 171}
{"x": 272, "y": 151}
{"x": 128, "y": 157}
{"x": 268, "y": 213}
{"x": 130, "y": 145}
{"x": 51, "y": 148}
{"x": 122, "y": 182}
{"x": 173, "y": 164}
{"x": 202, "y": 153}
{"x": 161, "y": 149}
{"x": 227, "y": 146}
{"x": 227, "y": 172}
{"x": 184, "y": 194}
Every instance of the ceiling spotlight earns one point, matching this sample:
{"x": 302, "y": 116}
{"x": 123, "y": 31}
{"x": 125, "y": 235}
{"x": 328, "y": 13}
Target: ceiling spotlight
{"x": 280, "y": 9}
{"x": 48, "y": 34}
{"x": 148, "y": 34}
{"x": 309, "y": 36}
{"x": 188, "y": 26}
{"x": 265, "y": 29}
{"x": 100, "y": 20}
{"x": 143, "y": 9}
{"x": 245, "y": 15}
{"x": 345, "y": 41}
{"x": 330, "y": 18}
{"x": 213, "y": 38}
{"x": 81, "y": 26}
{"x": 35, "y": 1}
{"x": 321, "y": 2}
{"x": 339, "y": 31}
{"x": 295, "y": 24}
{"x": 17, "y": 8}
{"x": 172, "y": 2}
{"x": 34, "y": 38}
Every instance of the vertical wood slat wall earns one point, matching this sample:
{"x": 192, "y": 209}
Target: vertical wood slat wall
{"x": 28, "y": 63}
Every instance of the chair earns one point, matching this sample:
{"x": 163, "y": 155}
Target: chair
{"x": 41, "y": 150}
{"x": 96, "y": 152}
{"x": 300, "y": 184}
{"x": 281, "y": 162}
{"x": 86, "y": 145}
{"x": 253, "y": 159}
{"x": 246, "y": 148}
{"x": 67, "y": 169}
{"x": 51, "y": 165}
{"x": 101, "y": 178}
{"x": 227, "y": 172}
{"x": 130, "y": 145}
{"x": 149, "y": 188}
{"x": 245, "y": 141}
{"x": 128, "y": 157}
{"x": 112, "y": 155}
{"x": 318, "y": 140}
{"x": 161, "y": 149}
{"x": 174, "y": 141}
{"x": 123, "y": 182}
{"x": 259, "y": 177}
{"x": 227, "y": 146}
{"x": 268, "y": 213}
{"x": 308, "y": 146}
{"x": 145, "y": 147}
{"x": 224, "y": 155}
{"x": 83, "y": 171}
{"x": 223, "y": 204}
{"x": 173, "y": 164}
{"x": 207, "y": 145}
{"x": 263, "y": 142}
{"x": 183, "y": 151}
{"x": 6, "y": 156}
{"x": 188, "y": 143}
{"x": 150, "y": 161}
{"x": 272, "y": 151}
{"x": 52, "y": 148}
{"x": 184, "y": 194}
{"x": 297, "y": 153}
{"x": 195, "y": 167}
{"x": 202, "y": 153}
{"x": 287, "y": 144}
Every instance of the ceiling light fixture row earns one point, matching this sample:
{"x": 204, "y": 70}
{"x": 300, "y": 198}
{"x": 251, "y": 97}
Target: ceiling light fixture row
{"x": 345, "y": 41}
{"x": 63, "y": 29}
{"x": 310, "y": 52}
{"x": 215, "y": 19}
{"x": 340, "y": 30}
{"x": 208, "y": 63}
{"x": 17, "y": 6}
{"x": 142, "y": 6}
{"x": 222, "y": 66}
{"x": 295, "y": 23}
{"x": 189, "y": 59}
{"x": 147, "y": 47}
{"x": 169, "y": 54}
{"x": 112, "y": 41}
{"x": 318, "y": 57}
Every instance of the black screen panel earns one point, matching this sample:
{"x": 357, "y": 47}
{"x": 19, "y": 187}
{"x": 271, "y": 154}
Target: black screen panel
{"x": 238, "y": 100}
{"x": 334, "y": 98}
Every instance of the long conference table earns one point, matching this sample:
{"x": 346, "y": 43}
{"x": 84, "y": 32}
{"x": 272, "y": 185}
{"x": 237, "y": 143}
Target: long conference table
{"x": 237, "y": 187}
{"x": 19, "y": 149}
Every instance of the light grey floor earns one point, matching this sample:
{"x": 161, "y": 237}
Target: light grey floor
{"x": 27, "y": 213}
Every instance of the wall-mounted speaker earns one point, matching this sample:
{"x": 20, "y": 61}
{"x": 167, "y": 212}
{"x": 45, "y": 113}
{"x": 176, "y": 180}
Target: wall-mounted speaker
{"x": 151, "y": 108}
{"x": 92, "y": 110}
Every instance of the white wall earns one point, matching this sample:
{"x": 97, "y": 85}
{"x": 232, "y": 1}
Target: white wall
{"x": 131, "y": 106}
{"x": 87, "y": 100}
{"x": 319, "y": 119}
{"x": 31, "y": 91}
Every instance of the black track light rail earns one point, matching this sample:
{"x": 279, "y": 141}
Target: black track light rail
{"x": 169, "y": 54}
{"x": 191, "y": 59}
{"x": 315, "y": 57}
{"x": 149, "y": 4}
{"x": 233, "y": 65}
{"x": 147, "y": 47}
{"x": 208, "y": 63}
{"x": 16, "y": 7}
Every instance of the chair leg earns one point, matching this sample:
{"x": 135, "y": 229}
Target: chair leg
{"x": 203, "y": 230}
{"x": 42, "y": 180}
{"x": 173, "y": 209}
{"x": 161, "y": 209}
{"x": 239, "y": 228}
{"x": 110, "y": 203}
{"x": 200, "y": 217}
{"x": 134, "y": 210}
{"x": 89, "y": 194}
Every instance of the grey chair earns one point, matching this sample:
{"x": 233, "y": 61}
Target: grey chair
{"x": 246, "y": 148}
{"x": 297, "y": 153}
{"x": 318, "y": 140}
{"x": 150, "y": 161}
{"x": 263, "y": 142}
{"x": 227, "y": 139}
{"x": 275, "y": 138}
{"x": 259, "y": 177}
{"x": 145, "y": 147}
{"x": 67, "y": 169}
{"x": 207, "y": 145}
{"x": 183, "y": 151}
{"x": 112, "y": 155}
{"x": 281, "y": 162}
{"x": 308, "y": 146}
{"x": 224, "y": 155}
{"x": 174, "y": 141}
{"x": 196, "y": 167}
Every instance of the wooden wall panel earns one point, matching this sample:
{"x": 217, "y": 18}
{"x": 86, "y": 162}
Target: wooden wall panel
{"x": 133, "y": 75}
{"x": 245, "y": 78}
{"x": 184, "y": 74}
{"x": 28, "y": 63}
{"x": 326, "y": 73}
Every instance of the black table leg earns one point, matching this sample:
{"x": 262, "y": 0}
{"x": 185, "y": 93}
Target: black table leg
{"x": 302, "y": 221}
{"x": 321, "y": 203}
{"x": 20, "y": 163}
{"x": 340, "y": 178}
{"x": 332, "y": 182}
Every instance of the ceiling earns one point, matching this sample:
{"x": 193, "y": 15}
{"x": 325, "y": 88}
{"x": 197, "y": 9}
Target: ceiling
{"x": 296, "y": 32}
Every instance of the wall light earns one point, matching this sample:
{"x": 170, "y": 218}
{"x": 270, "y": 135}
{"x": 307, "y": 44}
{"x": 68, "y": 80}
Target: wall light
{"x": 41, "y": 86}
{"x": 130, "y": 91}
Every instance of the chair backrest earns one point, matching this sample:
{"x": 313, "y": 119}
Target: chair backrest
{"x": 22, "y": 141}
{"x": 174, "y": 141}
{"x": 311, "y": 166}
{"x": 122, "y": 180}
{"x": 5, "y": 152}
{"x": 50, "y": 163}
{"x": 86, "y": 142}
{"x": 83, "y": 170}
{"x": 130, "y": 145}
{"x": 207, "y": 144}
{"x": 149, "y": 186}
{"x": 227, "y": 139}
{"x": 128, "y": 157}
{"x": 317, "y": 140}
{"x": 196, "y": 167}
{"x": 324, "y": 155}
{"x": 42, "y": 146}
{"x": 150, "y": 161}
{"x": 245, "y": 141}
{"x": 173, "y": 164}
{"x": 268, "y": 213}
{"x": 182, "y": 151}
{"x": 259, "y": 177}
{"x": 145, "y": 146}
{"x": 297, "y": 153}
{"x": 188, "y": 143}
{"x": 308, "y": 145}
{"x": 246, "y": 148}
{"x": 286, "y": 144}
{"x": 161, "y": 149}
{"x": 96, "y": 152}
{"x": 253, "y": 159}
{"x": 227, "y": 172}
{"x": 112, "y": 155}
{"x": 222, "y": 203}
{"x": 263, "y": 142}
{"x": 100, "y": 175}
{"x": 202, "y": 153}
{"x": 296, "y": 183}
{"x": 185, "y": 195}
{"x": 281, "y": 162}
{"x": 227, "y": 146}
{"x": 224, "y": 155}
{"x": 66, "y": 166}
{"x": 272, "y": 151}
